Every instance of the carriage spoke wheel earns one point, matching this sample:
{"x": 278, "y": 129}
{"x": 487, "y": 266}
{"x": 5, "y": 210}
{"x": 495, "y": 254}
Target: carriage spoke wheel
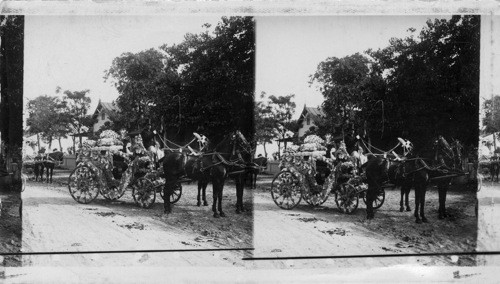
{"x": 317, "y": 198}
{"x": 83, "y": 185}
{"x": 379, "y": 200}
{"x": 176, "y": 193}
{"x": 112, "y": 193}
{"x": 143, "y": 192}
{"x": 347, "y": 198}
{"x": 285, "y": 190}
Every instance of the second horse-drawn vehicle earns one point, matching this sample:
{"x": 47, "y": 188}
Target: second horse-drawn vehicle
{"x": 312, "y": 173}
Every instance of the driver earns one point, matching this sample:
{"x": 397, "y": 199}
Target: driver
{"x": 149, "y": 140}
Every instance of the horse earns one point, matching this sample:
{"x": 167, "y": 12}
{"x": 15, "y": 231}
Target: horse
{"x": 259, "y": 164}
{"x": 445, "y": 163}
{"x": 203, "y": 142}
{"x": 49, "y": 162}
{"x": 494, "y": 168}
{"x": 38, "y": 167}
{"x": 229, "y": 157}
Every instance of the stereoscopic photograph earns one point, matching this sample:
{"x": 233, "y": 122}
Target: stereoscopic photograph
{"x": 138, "y": 136}
{"x": 370, "y": 127}
{"x": 294, "y": 148}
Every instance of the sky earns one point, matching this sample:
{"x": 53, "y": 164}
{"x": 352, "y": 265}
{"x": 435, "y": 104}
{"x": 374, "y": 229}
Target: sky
{"x": 289, "y": 49}
{"x": 74, "y": 51}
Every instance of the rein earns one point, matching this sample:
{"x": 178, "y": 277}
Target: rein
{"x": 382, "y": 152}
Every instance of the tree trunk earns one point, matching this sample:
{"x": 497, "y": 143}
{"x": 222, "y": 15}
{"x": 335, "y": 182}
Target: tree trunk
{"x": 265, "y": 150}
{"x": 60, "y": 146}
{"x": 74, "y": 145}
{"x": 279, "y": 150}
{"x": 38, "y": 141}
{"x": 50, "y": 144}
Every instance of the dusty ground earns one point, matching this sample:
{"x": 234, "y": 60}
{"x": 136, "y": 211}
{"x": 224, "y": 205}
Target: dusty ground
{"x": 322, "y": 231}
{"x": 54, "y": 222}
{"x": 10, "y": 228}
{"x": 489, "y": 223}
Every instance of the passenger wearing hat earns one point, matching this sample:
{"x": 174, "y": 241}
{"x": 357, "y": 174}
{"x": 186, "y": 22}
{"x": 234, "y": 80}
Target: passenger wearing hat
{"x": 148, "y": 139}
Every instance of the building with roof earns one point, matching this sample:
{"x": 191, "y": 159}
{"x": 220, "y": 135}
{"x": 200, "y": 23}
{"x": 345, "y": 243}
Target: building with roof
{"x": 102, "y": 114}
{"x": 310, "y": 117}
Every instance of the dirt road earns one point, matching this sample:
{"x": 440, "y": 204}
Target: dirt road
{"x": 488, "y": 238}
{"x": 322, "y": 231}
{"x": 54, "y": 222}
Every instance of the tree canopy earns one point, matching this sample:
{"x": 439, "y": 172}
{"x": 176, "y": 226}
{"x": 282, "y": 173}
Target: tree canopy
{"x": 205, "y": 82}
{"x": 273, "y": 116}
{"x": 417, "y": 87}
{"x": 491, "y": 119}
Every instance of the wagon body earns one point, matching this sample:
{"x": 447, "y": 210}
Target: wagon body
{"x": 310, "y": 176}
{"x": 97, "y": 173}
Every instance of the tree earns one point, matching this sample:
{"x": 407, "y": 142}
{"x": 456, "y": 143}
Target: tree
{"x": 273, "y": 118}
{"x": 264, "y": 123}
{"x": 11, "y": 88}
{"x": 491, "y": 119}
{"x": 433, "y": 81}
{"x": 46, "y": 117}
{"x": 351, "y": 86}
{"x": 417, "y": 87}
{"x": 77, "y": 104}
{"x": 205, "y": 81}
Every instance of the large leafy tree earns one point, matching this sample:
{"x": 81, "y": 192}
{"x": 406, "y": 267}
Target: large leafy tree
{"x": 417, "y": 87}
{"x": 204, "y": 82}
{"x": 76, "y": 106}
{"x": 264, "y": 125}
{"x": 352, "y": 87}
{"x": 46, "y": 118}
{"x": 143, "y": 81}
{"x": 433, "y": 81}
{"x": 273, "y": 118}
{"x": 491, "y": 119}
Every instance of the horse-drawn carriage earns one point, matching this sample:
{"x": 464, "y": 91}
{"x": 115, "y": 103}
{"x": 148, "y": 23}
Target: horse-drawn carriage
{"x": 313, "y": 175}
{"x": 109, "y": 171}
{"x": 490, "y": 166}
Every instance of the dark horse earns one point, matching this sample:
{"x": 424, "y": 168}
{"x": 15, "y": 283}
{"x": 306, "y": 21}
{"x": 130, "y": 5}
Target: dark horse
{"x": 381, "y": 170}
{"x": 494, "y": 168}
{"x": 48, "y": 162}
{"x": 38, "y": 168}
{"x": 259, "y": 163}
{"x": 446, "y": 164}
{"x": 386, "y": 168}
{"x": 228, "y": 158}
{"x": 439, "y": 166}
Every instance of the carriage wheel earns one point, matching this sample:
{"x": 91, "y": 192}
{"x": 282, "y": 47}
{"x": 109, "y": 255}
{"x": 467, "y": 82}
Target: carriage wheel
{"x": 347, "y": 198}
{"x": 111, "y": 193}
{"x": 83, "y": 185}
{"x": 316, "y": 199}
{"x": 143, "y": 192}
{"x": 285, "y": 190}
{"x": 379, "y": 200}
{"x": 176, "y": 194}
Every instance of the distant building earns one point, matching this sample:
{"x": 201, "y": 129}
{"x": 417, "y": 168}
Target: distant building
{"x": 310, "y": 117}
{"x": 102, "y": 114}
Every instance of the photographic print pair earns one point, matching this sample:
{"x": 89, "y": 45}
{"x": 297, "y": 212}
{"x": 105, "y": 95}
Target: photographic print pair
{"x": 262, "y": 142}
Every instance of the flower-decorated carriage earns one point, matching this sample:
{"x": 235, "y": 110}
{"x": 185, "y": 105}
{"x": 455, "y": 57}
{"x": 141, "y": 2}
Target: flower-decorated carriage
{"x": 309, "y": 172}
{"x": 103, "y": 168}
